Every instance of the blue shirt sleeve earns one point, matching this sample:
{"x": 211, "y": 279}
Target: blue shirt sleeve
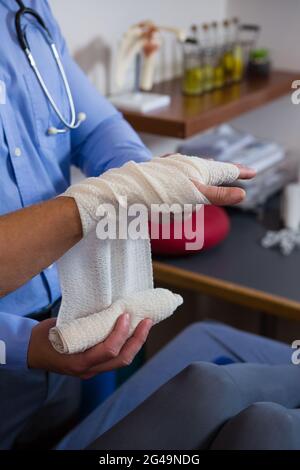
{"x": 105, "y": 139}
{"x": 15, "y": 334}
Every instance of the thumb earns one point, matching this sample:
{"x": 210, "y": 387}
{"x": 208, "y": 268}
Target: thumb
{"x": 221, "y": 195}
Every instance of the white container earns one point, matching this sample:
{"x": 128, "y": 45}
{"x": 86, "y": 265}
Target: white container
{"x": 291, "y": 206}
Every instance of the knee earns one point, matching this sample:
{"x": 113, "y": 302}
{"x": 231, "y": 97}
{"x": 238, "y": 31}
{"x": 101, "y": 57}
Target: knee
{"x": 266, "y": 417}
{"x": 262, "y": 412}
{"x": 261, "y": 426}
{"x": 211, "y": 384}
{"x": 203, "y": 374}
{"x": 205, "y": 398}
{"x": 273, "y": 421}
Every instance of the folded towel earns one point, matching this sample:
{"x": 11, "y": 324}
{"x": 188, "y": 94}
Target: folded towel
{"x": 100, "y": 279}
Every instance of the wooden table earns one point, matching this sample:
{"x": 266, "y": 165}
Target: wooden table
{"x": 239, "y": 270}
{"x": 187, "y": 116}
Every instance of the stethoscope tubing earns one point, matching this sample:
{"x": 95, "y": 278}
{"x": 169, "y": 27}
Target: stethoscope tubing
{"x": 26, "y": 48}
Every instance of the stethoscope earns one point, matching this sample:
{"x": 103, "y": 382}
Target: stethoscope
{"x": 75, "y": 120}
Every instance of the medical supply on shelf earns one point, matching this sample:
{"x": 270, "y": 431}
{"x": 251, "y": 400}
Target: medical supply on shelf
{"x": 237, "y": 52}
{"x": 193, "y": 78}
{"x": 140, "y": 101}
{"x": 218, "y": 70}
{"x": 208, "y": 57}
{"x": 218, "y": 54}
{"x": 96, "y": 272}
{"x": 140, "y": 46}
{"x": 227, "y": 53}
{"x": 248, "y": 38}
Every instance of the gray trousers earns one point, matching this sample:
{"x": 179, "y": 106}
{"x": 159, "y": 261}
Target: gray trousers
{"x": 238, "y": 406}
{"x": 180, "y": 400}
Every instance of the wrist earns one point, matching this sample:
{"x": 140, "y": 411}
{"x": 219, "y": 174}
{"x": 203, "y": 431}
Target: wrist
{"x": 72, "y": 215}
{"x": 39, "y": 351}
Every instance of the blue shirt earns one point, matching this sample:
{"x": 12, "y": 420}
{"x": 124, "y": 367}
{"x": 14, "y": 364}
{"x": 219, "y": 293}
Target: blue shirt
{"x": 35, "y": 166}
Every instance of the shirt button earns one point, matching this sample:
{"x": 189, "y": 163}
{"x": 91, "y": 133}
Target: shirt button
{"x": 18, "y": 152}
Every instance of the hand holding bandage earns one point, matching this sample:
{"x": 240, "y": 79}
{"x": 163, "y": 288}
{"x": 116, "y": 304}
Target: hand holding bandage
{"x": 99, "y": 276}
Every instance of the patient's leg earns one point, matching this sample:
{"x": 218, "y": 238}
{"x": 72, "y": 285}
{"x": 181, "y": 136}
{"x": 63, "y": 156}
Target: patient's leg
{"x": 201, "y": 341}
{"x": 188, "y": 411}
{"x": 261, "y": 426}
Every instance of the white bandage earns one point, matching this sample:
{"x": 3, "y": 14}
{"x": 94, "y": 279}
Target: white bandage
{"x": 156, "y": 304}
{"x": 161, "y": 180}
{"x": 102, "y": 278}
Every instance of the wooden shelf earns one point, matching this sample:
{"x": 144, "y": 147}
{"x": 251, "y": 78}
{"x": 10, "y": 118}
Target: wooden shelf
{"x": 187, "y": 116}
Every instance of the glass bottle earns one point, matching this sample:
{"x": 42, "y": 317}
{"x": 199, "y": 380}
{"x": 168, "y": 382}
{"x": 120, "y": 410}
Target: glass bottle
{"x": 192, "y": 83}
{"x": 218, "y": 71}
{"x": 237, "y": 52}
{"x": 207, "y": 58}
{"x": 227, "y": 54}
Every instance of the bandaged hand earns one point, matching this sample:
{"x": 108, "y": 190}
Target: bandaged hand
{"x": 170, "y": 180}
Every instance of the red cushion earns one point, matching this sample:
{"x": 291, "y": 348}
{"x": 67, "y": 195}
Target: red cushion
{"x": 216, "y": 229}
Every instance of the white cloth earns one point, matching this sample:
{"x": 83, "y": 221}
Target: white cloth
{"x": 286, "y": 239}
{"x": 98, "y": 274}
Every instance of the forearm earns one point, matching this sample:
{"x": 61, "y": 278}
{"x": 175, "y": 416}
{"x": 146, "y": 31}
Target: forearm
{"x": 116, "y": 142}
{"x": 33, "y": 238}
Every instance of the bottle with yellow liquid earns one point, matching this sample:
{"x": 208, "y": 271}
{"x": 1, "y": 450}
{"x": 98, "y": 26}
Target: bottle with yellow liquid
{"x": 192, "y": 83}
{"x": 207, "y": 58}
{"x": 228, "y": 60}
{"x": 218, "y": 69}
{"x": 237, "y": 52}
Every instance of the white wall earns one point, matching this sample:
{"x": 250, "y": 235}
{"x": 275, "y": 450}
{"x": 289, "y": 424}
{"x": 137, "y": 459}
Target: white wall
{"x": 88, "y": 23}
{"x": 110, "y": 18}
